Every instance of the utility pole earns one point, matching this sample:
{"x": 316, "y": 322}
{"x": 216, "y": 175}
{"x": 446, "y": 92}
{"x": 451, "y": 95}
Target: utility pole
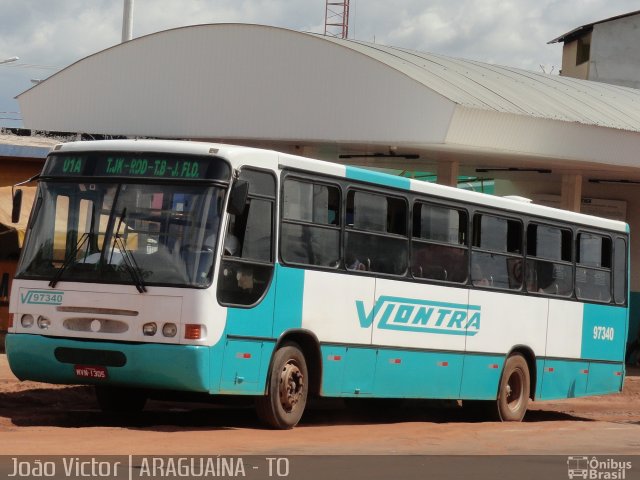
{"x": 127, "y": 21}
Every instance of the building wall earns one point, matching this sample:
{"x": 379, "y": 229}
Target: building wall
{"x": 7, "y": 271}
{"x": 14, "y": 170}
{"x": 615, "y": 52}
{"x": 569, "y": 67}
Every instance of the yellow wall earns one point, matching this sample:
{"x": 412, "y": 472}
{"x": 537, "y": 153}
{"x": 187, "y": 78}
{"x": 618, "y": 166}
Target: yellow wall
{"x": 9, "y": 267}
{"x": 12, "y": 171}
{"x": 569, "y": 67}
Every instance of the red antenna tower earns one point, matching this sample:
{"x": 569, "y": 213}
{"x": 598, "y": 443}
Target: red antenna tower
{"x": 336, "y": 19}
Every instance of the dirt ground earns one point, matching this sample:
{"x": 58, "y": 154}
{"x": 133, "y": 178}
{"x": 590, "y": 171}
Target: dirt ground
{"x": 42, "y": 419}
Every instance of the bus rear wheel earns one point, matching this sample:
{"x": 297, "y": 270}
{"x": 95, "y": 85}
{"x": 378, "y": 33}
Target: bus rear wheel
{"x": 513, "y": 395}
{"x": 287, "y": 389}
{"x": 120, "y": 400}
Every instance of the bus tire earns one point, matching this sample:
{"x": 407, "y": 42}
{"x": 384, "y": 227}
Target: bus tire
{"x": 120, "y": 400}
{"x": 287, "y": 389}
{"x": 513, "y": 395}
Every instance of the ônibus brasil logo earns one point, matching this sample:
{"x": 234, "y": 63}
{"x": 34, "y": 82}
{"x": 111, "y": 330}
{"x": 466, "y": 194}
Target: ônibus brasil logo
{"x": 395, "y": 313}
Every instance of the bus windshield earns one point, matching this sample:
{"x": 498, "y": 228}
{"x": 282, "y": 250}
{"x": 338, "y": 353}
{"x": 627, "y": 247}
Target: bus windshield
{"x": 142, "y": 234}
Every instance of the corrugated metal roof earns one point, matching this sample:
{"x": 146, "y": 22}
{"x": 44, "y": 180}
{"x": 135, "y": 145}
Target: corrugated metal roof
{"x": 496, "y": 88}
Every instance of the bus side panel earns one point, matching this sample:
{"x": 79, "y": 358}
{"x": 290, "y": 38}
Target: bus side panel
{"x": 507, "y": 321}
{"x": 339, "y": 309}
{"x": 579, "y": 334}
{"x": 332, "y": 369}
{"x": 241, "y": 367}
{"x": 565, "y": 329}
{"x": 425, "y": 317}
{"x": 359, "y": 371}
{"x": 245, "y": 362}
{"x": 564, "y": 379}
{"x": 290, "y": 288}
{"x": 604, "y": 332}
{"x": 411, "y": 374}
{"x": 604, "y": 338}
{"x": 481, "y": 376}
{"x": 605, "y": 378}
{"x": 256, "y": 321}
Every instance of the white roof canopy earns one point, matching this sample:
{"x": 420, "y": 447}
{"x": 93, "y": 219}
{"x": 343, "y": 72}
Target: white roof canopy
{"x": 250, "y": 83}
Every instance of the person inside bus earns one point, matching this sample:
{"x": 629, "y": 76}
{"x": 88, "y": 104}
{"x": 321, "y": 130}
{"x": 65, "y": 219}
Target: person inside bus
{"x": 243, "y": 274}
{"x": 231, "y": 245}
{"x": 478, "y": 277}
{"x": 357, "y": 265}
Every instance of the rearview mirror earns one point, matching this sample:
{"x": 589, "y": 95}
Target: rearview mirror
{"x": 17, "y": 206}
{"x": 238, "y": 199}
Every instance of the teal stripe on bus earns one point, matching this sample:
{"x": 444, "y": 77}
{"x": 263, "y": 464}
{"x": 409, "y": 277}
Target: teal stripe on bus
{"x": 370, "y": 372}
{"x": 289, "y": 297}
{"x": 379, "y": 178}
{"x": 570, "y": 379}
{"x": 279, "y": 310}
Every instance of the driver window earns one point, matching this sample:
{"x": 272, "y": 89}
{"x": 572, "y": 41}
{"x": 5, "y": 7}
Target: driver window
{"x": 247, "y": 257}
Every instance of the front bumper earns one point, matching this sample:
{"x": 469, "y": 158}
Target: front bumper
{"x": 141, "y": 365}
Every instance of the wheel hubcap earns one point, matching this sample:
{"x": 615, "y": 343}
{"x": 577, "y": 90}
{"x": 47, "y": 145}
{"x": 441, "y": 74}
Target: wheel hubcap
{"x": 513, "y": 390}
{"x": 291, "y": 386}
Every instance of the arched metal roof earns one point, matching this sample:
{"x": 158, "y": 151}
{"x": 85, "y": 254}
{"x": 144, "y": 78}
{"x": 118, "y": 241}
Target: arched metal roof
{"x": 496, "y": 88}
{"x": 256, "y": 84}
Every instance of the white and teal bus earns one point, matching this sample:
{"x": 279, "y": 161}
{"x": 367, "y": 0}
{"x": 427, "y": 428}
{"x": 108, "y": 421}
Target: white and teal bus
{"x": 191, "y": 267}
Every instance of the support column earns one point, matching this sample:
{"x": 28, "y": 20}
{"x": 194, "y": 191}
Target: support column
{"x": 571, "y": 194}
{"x": 447, "y": 173}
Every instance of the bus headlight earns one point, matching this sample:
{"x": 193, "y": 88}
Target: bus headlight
{"x": 169, "y": 330}
{"x": 43, "y": 322}
{"x": 26, "y": 320}
{"x": 149, "y": 329}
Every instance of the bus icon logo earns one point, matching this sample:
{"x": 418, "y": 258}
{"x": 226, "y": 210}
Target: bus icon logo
{"x": 578, "y": 467}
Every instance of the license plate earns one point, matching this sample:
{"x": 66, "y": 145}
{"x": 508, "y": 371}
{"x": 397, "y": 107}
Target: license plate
{"x": 87, "y": 371}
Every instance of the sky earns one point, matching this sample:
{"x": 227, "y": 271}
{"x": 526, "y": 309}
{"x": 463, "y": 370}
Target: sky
{"x": 49, "y": 35}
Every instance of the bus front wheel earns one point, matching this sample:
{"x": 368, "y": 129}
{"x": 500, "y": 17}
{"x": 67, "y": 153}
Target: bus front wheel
{"x": 287, "y": 389}
{"x": 513, "y": 395}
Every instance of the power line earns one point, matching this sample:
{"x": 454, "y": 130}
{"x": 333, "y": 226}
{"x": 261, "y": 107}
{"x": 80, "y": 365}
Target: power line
{"x": 32, "y": 65}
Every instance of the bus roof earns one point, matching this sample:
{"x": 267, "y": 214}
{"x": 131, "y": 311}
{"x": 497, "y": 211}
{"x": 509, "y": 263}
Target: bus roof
{"x": 234, "y": 154}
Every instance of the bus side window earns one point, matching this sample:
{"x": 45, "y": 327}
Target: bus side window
{"x": 593, "y": 269}
{"x": 310, "y": 224}
{"x": 549, "y": 269}
{"x": 438, "y": 248}
{"x": 377, "y": 239}
{"x": 496, "y": 258}
{"x": 247, "y": 258}
{"x": 620, "y": 271}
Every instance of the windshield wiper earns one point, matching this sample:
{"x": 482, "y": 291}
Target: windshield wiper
{"x": 71, "y": 256}
{"x": 128, "y": 259}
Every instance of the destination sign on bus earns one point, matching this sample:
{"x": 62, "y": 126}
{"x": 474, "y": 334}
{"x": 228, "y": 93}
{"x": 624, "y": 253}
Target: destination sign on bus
{"x": 126, "y": 164}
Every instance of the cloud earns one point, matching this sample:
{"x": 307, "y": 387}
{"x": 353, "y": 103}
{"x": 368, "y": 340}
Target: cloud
{"x": 507, "y": 32}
